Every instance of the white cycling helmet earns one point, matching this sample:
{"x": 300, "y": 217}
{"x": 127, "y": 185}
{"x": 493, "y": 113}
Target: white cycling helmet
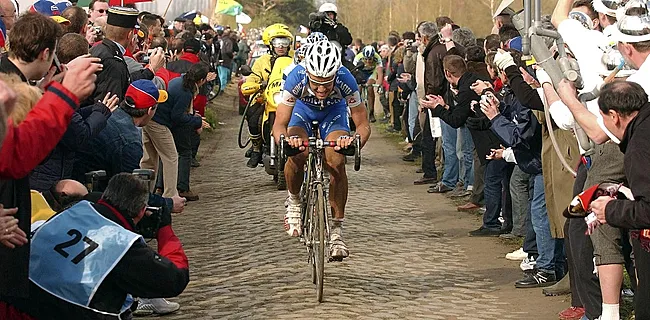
{"x": 323, "y": 59}
{"x": 328, "y": 7}
{"x": 300, "y": 53}
{"x": 316, "y": 37}
{"x": 368, "y": 52}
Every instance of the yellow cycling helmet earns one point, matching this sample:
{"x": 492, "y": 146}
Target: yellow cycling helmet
{"x": 275, "y": 31}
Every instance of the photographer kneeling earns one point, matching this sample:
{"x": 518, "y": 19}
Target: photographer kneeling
{"x": 86, "y": 262}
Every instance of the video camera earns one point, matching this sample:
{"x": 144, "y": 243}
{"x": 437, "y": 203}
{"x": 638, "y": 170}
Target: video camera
{"x": 149, "y": 224}
{"x": 320, "y": 22}
{"x": 317, "y": 20}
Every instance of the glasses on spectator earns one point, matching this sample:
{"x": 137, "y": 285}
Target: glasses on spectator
{"x": 100, "y": 10}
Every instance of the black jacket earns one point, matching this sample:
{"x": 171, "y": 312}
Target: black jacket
{"x": 14, "y": 263}
{"x": 115, "y": 77}
{"x": 477, "y": 123}
{"x": 636, "y": 146}
{"x": 517, "y": 127}
{"x": 86, "y": 123}
{"x": 434, "y": 75}
{"x": 142, "y": 272}
{"x": 341, "y": 34}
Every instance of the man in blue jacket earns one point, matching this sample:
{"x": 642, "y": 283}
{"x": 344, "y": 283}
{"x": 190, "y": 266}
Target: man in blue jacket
{"x": 118, "y": 148}
{"x": 519, "y": 129}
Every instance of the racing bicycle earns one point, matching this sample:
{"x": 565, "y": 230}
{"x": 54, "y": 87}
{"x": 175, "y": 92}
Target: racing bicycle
{"x": 315, "y": 209}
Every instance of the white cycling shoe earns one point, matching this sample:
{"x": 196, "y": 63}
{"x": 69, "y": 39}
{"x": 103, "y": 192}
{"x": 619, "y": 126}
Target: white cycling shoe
{"x": 338, "y": 249}
{"x": 292, "y": 217}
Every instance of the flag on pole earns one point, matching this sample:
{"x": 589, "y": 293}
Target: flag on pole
{"x": 229, "y": 7}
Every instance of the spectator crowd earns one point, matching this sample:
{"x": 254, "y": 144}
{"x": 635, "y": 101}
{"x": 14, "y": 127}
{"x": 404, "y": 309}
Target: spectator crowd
{"x": 473, "y": 112}
{"x": 102, "y": 111}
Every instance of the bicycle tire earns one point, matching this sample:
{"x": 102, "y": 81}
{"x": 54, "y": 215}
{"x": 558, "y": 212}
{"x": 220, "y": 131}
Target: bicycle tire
{"x": 320, "y": 252}
{"x": 281, "y": 181}
{"x": 241, "y": 144}
{"x": 357, "y": 152}
{"x": 214, "y": 93}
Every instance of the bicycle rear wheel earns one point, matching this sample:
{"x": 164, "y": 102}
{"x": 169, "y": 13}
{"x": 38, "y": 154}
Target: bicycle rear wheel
{"x": 320, "y": 245}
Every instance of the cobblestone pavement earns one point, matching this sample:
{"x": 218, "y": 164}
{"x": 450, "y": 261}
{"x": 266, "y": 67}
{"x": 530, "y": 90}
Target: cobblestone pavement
{"x": 243, "y": 265}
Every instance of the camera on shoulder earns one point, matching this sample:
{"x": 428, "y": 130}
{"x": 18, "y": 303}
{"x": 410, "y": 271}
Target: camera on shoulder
{"x": 317, "y": 22}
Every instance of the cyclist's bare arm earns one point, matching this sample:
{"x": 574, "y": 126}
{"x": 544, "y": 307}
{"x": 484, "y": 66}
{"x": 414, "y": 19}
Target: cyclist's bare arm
{"x": 282, "y": 117}
{"x": 360, "y": 117}
{"x": 380, "y": 74}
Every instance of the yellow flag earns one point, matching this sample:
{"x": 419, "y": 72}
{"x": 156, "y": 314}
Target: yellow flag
{"x": 229, "y": 7}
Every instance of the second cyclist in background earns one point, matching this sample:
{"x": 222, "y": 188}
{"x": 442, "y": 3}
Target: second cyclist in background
{"x": 372, "y": 71}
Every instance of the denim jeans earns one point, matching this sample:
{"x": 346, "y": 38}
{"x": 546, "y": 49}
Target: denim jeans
{"x": 183, "y": 140}
{"x": 224, "y": 76}
{"x": 413, "y": 114}
{"x": 530, "y": 240}
{"x": 196, "y": 142}
{"x": 539, "y": 218}
{"x": 449, "y": 140}
{"x": 495, "y": 172}
{"x": 521, "y": 192}
{"x": 467, "y": 161}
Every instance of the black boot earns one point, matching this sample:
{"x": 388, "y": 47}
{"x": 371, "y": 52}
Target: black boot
{"x": 256, "y": 158}
{"x": 249, "y": 152}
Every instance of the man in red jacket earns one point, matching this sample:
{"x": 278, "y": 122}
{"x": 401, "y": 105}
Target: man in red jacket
{"x": 62, "y": 284}
{"x": 27, "y": 144}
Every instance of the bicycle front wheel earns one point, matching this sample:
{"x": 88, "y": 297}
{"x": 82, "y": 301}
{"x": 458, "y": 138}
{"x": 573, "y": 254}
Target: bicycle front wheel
{"x": 243, "y": 137}
{"x": 320, "y": 238}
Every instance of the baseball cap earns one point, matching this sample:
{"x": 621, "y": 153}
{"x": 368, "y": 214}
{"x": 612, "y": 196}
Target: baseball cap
{"x": 63, "y": 5}
{"x": 515, "y": 43}
{"x": 145, "y": 94}
{"x": 579, "y": 206}
{"x": 192, "y": 45}
{"x": 49, "y": 9}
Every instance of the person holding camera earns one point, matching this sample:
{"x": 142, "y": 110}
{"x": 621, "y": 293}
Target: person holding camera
{"x": 102, "y": 235}
{"x": 324, "y": 21}
{"x": 120, "y": 34}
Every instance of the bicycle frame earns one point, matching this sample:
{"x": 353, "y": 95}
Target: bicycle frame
{"x": 314, "y": 176}
{"x": 315, "y": 209}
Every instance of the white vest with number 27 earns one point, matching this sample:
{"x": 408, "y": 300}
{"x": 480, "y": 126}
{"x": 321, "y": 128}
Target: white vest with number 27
{"x": 74, "y": 251}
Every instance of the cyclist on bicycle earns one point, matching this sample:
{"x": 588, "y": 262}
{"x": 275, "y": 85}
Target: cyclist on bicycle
{"x": 278, "y": 38}
{"x": 371, "y": 71}
{"x": 321, "y": 90}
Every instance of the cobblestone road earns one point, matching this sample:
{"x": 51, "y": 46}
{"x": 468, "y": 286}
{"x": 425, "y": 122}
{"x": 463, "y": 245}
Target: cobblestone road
{"x": 244, "y": 266}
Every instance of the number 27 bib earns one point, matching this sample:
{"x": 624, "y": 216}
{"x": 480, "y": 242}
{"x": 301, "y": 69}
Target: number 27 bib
{"x": 73, "y": 252}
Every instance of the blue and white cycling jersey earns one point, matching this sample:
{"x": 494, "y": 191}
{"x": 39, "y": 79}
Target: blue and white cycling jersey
{"x": 296, "y": 87}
